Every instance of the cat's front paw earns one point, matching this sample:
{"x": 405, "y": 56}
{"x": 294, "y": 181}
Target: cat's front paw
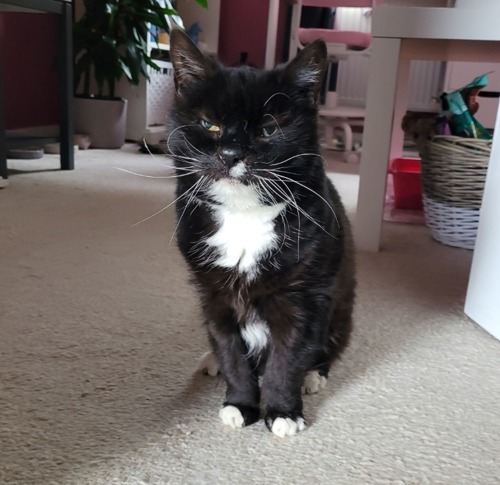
{"x": 238, "y": 416}
{"x": 282, "y": 425}
{"x": 209, "y": 364}
{"x": 231, "y": 416}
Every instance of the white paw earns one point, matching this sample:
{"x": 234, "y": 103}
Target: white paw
{"x": 313, "y": 382}
{"x": 208, "y": 364}
{"x": 231, "y": 416}
{"x": 287, "y": 426}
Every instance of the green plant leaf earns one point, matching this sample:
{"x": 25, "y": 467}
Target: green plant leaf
{"x": 151, "y": 63}
{"x": 125, "y": 69}
{"x": 110, "y": 40}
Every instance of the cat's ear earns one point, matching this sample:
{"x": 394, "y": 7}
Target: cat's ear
{"x": 308, "y": 68}
{"x": 189, "y": 63}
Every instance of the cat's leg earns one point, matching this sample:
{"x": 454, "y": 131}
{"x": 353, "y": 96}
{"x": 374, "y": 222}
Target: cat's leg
{"x": 281, "y": 388}
{"x": 242, "y": 404}
{"x": 339, "y": 332}
{"x": 337, "y": 340}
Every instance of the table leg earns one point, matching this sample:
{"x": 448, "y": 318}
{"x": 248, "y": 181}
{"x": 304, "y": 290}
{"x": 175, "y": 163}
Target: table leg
{"x": 66, "y": 90}
{"x": 3, "y": 136}
{"x": 382, "y": 137}
{"x": 272, "y": 32}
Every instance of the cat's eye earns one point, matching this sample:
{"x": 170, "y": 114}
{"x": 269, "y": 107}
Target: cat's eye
{"x": 269, "y": 130}
{"x": 210, "y": 126}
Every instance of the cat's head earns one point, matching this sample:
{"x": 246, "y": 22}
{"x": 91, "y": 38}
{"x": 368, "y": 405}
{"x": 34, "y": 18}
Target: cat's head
{"x": 243, "y": 124}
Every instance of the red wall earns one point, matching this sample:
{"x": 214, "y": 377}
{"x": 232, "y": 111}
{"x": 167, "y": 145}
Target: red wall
{"x": 243, "y": 28}
{"x": 28, "y": 55}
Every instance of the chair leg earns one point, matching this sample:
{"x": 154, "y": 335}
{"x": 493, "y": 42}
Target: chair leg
{"x": 347, "y": 134}
{"x": 329, "y": 133}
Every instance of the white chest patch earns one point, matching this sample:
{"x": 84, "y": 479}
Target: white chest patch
{"x": 246, "y": 229}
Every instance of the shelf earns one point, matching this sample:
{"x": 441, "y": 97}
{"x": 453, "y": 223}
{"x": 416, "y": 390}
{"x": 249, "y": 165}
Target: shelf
{"x": 159, "y": 46}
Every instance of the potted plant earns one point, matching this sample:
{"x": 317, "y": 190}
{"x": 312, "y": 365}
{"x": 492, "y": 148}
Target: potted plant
{"x": 111, "y": 42}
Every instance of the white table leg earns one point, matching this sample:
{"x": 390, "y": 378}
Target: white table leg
{"x": 382, "y": 137}
{"x": 483, "y": 293}
{"x": 272, "y": 32}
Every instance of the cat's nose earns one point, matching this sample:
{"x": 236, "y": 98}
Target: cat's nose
{"x": 231, "y": 155}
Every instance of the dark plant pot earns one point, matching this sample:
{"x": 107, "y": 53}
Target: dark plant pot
{"x": 103, "y": 119}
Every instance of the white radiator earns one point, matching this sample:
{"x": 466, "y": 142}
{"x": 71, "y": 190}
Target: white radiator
{"x": 426, "y": 85}
{"x": 426, "y": 77}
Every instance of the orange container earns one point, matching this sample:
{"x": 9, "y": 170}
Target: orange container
{"x": 407, "y": 183}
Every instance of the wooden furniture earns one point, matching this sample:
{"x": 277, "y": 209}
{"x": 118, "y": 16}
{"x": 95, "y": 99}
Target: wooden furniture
{"x": 65, "y": 59}
{"x": 400, "y": 34}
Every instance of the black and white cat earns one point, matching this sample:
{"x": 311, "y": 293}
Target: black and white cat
{"x": 262, "y": 229}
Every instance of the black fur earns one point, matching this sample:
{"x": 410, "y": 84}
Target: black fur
{"x": 304, "y": 287}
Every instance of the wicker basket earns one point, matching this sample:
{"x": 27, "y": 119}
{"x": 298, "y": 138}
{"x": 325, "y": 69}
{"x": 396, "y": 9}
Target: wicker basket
{"x": 453, "y": 176}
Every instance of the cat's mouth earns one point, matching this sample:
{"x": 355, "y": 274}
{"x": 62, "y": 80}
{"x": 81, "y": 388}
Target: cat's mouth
{"x": 238, "y": 171}
{"x": 237, "y": 174}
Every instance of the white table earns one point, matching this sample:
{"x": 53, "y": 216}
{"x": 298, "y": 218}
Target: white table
{"x": 401, "y": 34}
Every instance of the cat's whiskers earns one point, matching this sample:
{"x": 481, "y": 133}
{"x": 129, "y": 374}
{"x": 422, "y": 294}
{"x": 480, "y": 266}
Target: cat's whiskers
{"x": 276, "y": 94}
{"x": 185, "y": 157}
{"x": 277, "y": 124}
{"x": 185, "y": 194}
{"x": 305, "y": 214}
{"x": 262, "y": 185}
{"x": 197, "y": 186}
{"x": 171, "y": 134}
{"x": 189, "y": 161}
{"x": 158, "y": 161}
{"x": 173, "y": 167}
{"x": 185, "y": 169}
{"x": 147, "y": 148}
{"x": 293, "y": 202}
{"x": 278, "y": 189}
{"x": 190, "y": 168}
{"x": 284, "y": 178}
{"x": 278, "y": 170}
{"x": 298, "y": 155}
{"x": 192, "y": 146}
{"x": 299, "y": 226}
{"x": 154, "y": 176}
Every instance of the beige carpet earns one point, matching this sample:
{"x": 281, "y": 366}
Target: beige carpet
{"x": 100, "y": 334}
